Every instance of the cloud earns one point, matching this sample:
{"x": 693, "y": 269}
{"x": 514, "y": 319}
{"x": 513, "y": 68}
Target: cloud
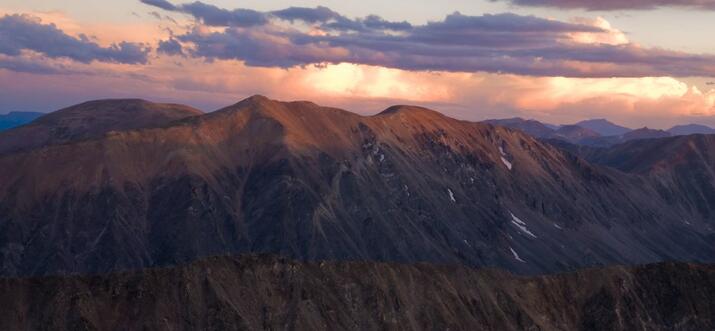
{"x": 502, "y": 43}
{"x": 653, "y": 101}
{"x": 163, "y": 4}
{"x": 378, "y": 23}
{"x": 34, "y": 65}
{"x": 170, "y": 47}
{"x": 606, "y": 5}
{"x": 309, "y": 15}
{"x": 212, "y": 15}
{"x": 20, "y": 33}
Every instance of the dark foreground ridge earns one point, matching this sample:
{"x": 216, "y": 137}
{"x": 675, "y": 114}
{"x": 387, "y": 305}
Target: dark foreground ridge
{"x": 265, "y": 292}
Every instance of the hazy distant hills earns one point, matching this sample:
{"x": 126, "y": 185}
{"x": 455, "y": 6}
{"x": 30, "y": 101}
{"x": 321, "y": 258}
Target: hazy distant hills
{"x": 603, "y": 127}
{"x": 682, "y": 130}
{"x": 574, "y": 133}
{"x": 596, "y": 132}
{"x": 157, "y": 184}
{"x": 16, "y": 118}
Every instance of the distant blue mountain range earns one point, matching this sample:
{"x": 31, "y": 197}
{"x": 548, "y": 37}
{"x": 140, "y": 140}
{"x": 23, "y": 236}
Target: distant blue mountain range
{"x": 17, "y": 118}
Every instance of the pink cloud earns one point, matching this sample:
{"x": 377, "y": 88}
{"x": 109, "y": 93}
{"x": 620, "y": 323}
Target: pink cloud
{"x": 367, "y": 89}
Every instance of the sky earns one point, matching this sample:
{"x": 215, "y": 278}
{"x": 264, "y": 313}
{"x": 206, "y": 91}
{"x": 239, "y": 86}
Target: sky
{"x": 637, "y": 63}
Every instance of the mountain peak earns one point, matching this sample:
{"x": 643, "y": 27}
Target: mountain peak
{"x": 117, "y": 111}
{"x": 256, "y": 98}
{"x": 416, "y": 111}
{"x": 604, "y": 127}
{"x": 92, "y": 119}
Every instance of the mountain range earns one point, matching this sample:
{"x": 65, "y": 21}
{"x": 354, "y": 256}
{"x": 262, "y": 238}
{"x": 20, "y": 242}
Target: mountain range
{"x": 596, "y": 132}
{"x": 288, "y": 215}
{"x": 604, "y": 127}
{"x": 683, "y": 130}
{"x": 157, "y": 185}
{"x": 16, "y": 118}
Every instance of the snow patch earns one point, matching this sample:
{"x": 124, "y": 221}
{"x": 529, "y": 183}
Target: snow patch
{"x": 516, "y": 256}
{"x": 506, "y": 163}
{"x": 558, "y": 226}
{"x": 451, "y": 195}
{"x": 503, "y": 158}
{"x": 382, "y": 157}
{"x": 521, "y": 225}
{"x": 466, "y": 242}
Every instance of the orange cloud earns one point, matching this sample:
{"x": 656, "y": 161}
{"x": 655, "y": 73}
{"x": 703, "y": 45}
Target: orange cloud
{"x": 611, "y": 36}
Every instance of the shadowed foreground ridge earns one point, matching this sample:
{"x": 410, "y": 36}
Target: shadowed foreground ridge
{"x": 265, "y": 292}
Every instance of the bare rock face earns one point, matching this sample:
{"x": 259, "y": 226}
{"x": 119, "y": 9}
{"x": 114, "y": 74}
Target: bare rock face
{"x": 263, "y": 292}
{"x": 682, "y": 168}
{"x": 316, "y": 183}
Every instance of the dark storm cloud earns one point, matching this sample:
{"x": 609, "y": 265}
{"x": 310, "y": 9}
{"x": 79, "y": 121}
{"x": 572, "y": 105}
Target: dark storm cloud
{"x": 19, "y": 33}
{"x": 503, "y": 43}
{"x": 616, "y": 4}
